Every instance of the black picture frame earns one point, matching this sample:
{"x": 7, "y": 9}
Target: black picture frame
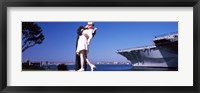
{"x": 100, "y": 3}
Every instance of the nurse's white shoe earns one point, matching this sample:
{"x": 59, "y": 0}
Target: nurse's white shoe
{"x": 92, "y": 67}
{"x": 81, "y": 69}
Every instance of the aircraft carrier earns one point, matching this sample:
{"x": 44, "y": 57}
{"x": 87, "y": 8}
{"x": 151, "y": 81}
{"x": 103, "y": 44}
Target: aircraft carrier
{"x": 164, "y": 53}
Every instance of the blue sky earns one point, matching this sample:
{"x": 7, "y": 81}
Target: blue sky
{"x": 60, "y": 40}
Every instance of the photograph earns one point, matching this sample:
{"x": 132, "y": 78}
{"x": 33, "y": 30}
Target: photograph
{"x": 99, "y": 46}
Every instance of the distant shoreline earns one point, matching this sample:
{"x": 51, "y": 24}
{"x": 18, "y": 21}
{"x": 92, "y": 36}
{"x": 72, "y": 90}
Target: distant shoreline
{"x": 73, "y": 63}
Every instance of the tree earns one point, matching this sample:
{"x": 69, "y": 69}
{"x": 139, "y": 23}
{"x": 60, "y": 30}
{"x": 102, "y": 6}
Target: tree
{"x": 31, "y": 35}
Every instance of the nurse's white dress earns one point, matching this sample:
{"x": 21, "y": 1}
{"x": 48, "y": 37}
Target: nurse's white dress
{"x": 82, "y": 41}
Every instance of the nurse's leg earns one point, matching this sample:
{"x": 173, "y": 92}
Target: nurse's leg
{"x": 82, "y": 57}
{"x": 91, "y": 65}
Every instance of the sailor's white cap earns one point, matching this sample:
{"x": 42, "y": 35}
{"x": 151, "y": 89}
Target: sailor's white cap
{"x": 91, "y": 23}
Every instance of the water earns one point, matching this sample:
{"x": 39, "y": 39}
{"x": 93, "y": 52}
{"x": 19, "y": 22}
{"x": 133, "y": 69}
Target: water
{"x": 98, "y": 67}
{"x": 115, "y": 68}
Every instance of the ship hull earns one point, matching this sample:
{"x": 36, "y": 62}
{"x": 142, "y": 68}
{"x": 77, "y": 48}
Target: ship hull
{"x": 151, "y": 57}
